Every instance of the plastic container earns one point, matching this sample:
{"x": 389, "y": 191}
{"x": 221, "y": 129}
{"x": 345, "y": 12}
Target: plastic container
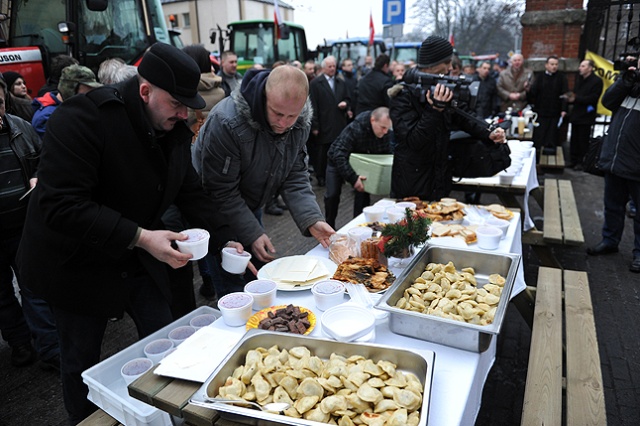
{"x": 406, "y": 204}
{"x": 234, "y": 262}
{"x": 501, "y": 224}
{"x": 158, "y": 349}
{"x": 488, "y": 237}
{"x": 377, "y": 169}
{"x": 373, "y": 213}
{"x": 197, "y": 244}
{"x": 506, "y": 177}
{"x": 203, "y": 320}
{"x": 327, "y": 294}
{"x": 108, "y": 390}
{"x": 395, "y": 214}
{"x": 180, "y": 334}
{"x": 348, "y": 322}
{"x": 385, "y": 203}
{"x": 236, "y": 308}
{"x": 135, "y": 368}
{"x": 263, "y": 293}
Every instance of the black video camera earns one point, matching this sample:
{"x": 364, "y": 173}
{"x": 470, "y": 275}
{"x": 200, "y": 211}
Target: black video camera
{"x": 625, "y": 60}
{"x": 465, "y": 91}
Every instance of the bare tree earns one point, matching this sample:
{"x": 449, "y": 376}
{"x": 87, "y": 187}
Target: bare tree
{"x": 478, "y": 26}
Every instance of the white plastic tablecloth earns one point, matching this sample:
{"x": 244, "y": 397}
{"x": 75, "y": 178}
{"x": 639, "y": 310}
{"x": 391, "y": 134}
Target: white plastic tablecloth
{"x": 527, "y": 179}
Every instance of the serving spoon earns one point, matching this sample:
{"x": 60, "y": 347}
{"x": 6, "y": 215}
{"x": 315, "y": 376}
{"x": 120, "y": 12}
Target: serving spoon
{"x": 273, "y": 407}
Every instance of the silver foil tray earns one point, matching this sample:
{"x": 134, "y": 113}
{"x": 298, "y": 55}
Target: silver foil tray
{"x": 457, "y": 334}
{"x": 419, "y": 363}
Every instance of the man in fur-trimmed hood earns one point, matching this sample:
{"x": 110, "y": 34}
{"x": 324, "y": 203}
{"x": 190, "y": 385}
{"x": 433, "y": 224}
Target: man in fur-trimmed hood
{"x": 252, "y": 146}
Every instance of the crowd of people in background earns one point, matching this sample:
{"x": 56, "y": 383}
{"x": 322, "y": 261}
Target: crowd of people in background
{"x": 196, "y": 148}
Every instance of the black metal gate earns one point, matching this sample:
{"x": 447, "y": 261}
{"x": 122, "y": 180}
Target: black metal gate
{"x": 612, "y": 29}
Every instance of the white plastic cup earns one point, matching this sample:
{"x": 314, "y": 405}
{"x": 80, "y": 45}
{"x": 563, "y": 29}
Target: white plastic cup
{"x": 395, "y": 214}
{"x": 506, "y": 177}
{"x": 501, "y": 224}
{"x": 328, "y": 293}
{"x": 385, "y": 203}
{"x": 157, "y": 349}
{"x": 236, "y": 308}
{"x": 234, "y": 262}
{"x": 406, "y": 204}
{"x": 197, "y": 244}
{"x": 263, "y": 293}
{"x": 203, "y": 320}
{"x": 488, "y": 237}
{"x": 180, "y": 334}
{"x": 359, "y": 234}
{"x": 135, "y": 368}
{"x": 373, "y": 213}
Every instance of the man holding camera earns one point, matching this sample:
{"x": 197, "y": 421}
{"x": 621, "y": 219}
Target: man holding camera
{"x": 422, "y": 120}
{"x": 619, "y": 158}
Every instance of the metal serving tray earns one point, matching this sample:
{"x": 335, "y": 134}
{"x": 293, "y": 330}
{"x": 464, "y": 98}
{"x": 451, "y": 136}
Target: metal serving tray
{"x": 457, "y": 334}
{"x": 417, "y": 362}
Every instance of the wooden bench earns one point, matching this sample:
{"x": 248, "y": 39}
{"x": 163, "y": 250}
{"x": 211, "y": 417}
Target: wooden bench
{"x": 561, "y": 222}
{"x": 555, "y": 162}
{"x": 578, "y": 370}
{"x": 99, "y": 418}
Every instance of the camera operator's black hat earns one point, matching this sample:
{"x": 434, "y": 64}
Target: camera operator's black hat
{"x": 433, "y": 51}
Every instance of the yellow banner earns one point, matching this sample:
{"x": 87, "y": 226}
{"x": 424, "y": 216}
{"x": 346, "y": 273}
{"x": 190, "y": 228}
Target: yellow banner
{"x": 604, "y": 70}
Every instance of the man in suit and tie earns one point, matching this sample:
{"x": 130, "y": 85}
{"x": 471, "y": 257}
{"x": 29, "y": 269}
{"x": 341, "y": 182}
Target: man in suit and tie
{"x": 331, "y": 108}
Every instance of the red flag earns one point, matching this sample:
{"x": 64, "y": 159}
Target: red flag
{"x": 451, "y": 39}
{"x": 277, "y": 21}
{"x": 371, "y": 29}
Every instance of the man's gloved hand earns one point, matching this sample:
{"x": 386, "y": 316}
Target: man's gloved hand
{"x": 630, "y": 77}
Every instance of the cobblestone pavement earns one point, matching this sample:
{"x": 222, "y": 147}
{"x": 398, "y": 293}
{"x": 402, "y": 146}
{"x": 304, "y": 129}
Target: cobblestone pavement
{"x": 32, "y": 396}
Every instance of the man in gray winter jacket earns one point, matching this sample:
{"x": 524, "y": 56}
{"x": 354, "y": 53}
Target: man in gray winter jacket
{"x": 252, "y": 146}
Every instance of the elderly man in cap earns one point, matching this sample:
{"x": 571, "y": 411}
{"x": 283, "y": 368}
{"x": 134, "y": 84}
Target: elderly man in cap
{"x": 94, "y": 245}
{"x": 422, "y": 124}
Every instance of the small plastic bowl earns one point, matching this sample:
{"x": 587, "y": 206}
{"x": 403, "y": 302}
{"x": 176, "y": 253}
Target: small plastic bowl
{"x": 488, "y": 237}
{"x": 135, "y": 368}
{"x": 506, "y": 178}
{"x": 234, "y": 262}
{"x": 373, "y": 213}
{"x": 263, "y": 293}
{"x": 236, "y": 308}
{"x": 180, "y": 334}
{"x": 385, "y": 203}
{"x": 155, "y": 350}
{"x": 197, "y": 244}
{"x": 348, "y": 322}
{"x": 328, "y": 293}
{"x": 203, "y": 320}
{"x": 501, "y": 224}
{"x": 526, "y": 144}
{"x": 395, "y": 214}
{"x": 406, "y": 204}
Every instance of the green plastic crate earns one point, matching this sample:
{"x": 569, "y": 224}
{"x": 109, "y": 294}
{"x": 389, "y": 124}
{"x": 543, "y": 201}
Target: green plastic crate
{"x": 377, "y": 169}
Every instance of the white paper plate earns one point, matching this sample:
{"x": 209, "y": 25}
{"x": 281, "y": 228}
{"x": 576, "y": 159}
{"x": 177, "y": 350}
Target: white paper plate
{"x": 265, "y": 273}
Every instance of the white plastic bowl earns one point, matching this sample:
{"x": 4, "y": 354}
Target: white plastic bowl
{"x": 501, "y": 224}
{"x": 348, "y": 322}
{"x": 203, "y": 320}
{"x": 157, "y": 349}
{"x": 236, "y": 308}
{"x": 395, "y": 214}
{"x": 197, "y": 244}
{"x": 180, "y": 334}
{"x": 234, "y": 262}
{"x": 404, "y": 204}
{"x": 263, "y": 293}
{"x": 328, "y": 293}
{"x": 506, "y": 178}
{"x": 373, "y": 213}
{"x": 135, "y": 368}
{"x": 488, "y": 237}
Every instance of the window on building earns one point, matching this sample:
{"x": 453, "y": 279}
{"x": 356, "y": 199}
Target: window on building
{"x": 186, "y": 20}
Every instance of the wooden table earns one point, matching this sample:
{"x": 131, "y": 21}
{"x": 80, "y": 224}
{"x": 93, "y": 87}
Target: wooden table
{"x": 459, "y": 375}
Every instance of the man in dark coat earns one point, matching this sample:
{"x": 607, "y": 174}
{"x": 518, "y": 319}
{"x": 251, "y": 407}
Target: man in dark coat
{"x": 487, "y": 100}
{"x": 619, "y": 158}
{"x": 348, "y": 74}
{"x": 331, "y": 108}
{"x": 585, "y": 110}
{"x": 546, "y": 96}
{"x": 372, "y": 88}
{"x": 93, "y": 244}
{"x": 422, "y": 124}
{"x": 367, "y": 134}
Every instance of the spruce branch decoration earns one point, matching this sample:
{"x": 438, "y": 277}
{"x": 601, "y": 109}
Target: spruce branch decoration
{"x": 413, "y": 230}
